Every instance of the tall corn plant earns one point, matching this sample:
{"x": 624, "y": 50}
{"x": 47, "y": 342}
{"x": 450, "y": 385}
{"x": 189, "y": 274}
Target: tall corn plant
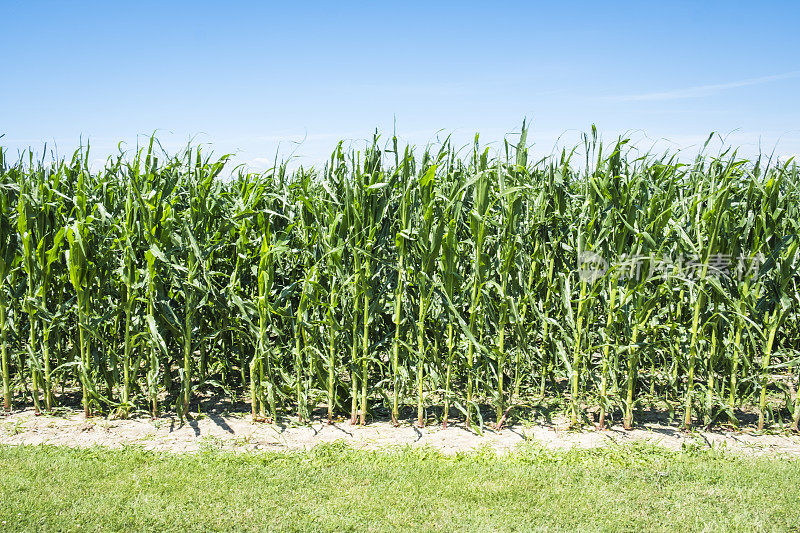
{"x": 481, "y": 186}
{"x": 333, "y": 245}
{"x": 30, "y": 236}
{"x": 81, "y": 275}
{"x": 403, "y": 238}
{"x": 427, "y": 246}
{"x": 199, "y": 193}
{"x": 451, "y": 278}
{"x": 8, "y": 258}
{"x": 152, "y": 190}
{"x": 510, "y": 199}
{"x": 367, "y": 201}
{"x": 262, "y": 384}
{"x": 709, "y": 212}
{"x": 129, "y": 274}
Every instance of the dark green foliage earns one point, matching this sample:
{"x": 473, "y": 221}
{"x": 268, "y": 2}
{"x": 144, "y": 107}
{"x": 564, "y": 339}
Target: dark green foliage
{"x": 385, "y": 280}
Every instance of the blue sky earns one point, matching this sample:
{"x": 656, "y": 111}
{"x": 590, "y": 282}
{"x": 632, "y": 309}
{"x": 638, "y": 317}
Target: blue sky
{"x": 246, "y": 76}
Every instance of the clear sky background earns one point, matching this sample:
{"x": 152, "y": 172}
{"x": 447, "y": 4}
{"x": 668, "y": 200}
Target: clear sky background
{"x": 245, "y": 77}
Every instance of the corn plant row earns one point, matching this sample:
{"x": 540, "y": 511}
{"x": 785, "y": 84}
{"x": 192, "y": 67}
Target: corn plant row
{"x": 443, "y": 280}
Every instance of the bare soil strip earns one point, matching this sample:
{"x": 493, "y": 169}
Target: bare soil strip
{"x": 235, "y": 432}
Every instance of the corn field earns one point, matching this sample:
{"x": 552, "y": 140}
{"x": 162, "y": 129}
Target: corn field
{"x": 448, "y": 282}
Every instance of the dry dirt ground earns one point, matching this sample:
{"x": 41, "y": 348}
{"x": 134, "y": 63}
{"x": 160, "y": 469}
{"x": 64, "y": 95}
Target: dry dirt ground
{"x": 237, "y": 433}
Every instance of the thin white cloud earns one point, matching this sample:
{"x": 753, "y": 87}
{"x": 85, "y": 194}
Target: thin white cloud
{"x": 702, "y": 90}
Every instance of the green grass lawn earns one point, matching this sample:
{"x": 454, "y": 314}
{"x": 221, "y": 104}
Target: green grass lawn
{"x": 632, "y": 488}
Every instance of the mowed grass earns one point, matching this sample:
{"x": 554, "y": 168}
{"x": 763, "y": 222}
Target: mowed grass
{"x": 333, "y": 488}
